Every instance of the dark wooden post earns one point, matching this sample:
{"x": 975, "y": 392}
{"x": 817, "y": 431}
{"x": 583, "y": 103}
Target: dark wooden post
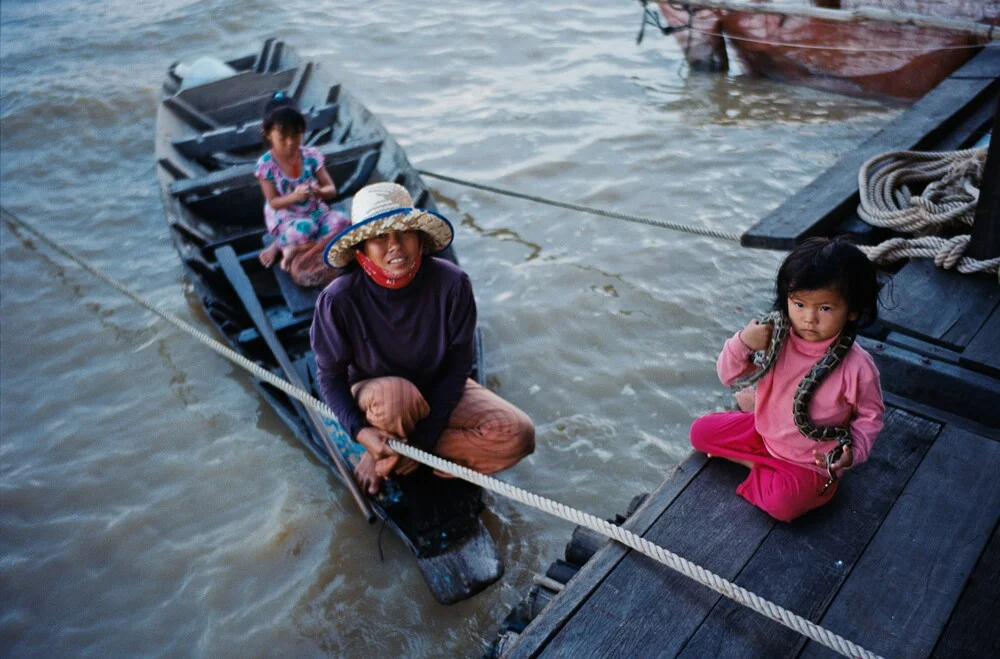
{"x": 985, "y": 241}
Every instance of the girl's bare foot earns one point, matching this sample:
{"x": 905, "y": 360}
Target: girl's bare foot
{"x": 365, "y": 475}
{"x": 288, "y": 253}
{"x": 268, "y": 255}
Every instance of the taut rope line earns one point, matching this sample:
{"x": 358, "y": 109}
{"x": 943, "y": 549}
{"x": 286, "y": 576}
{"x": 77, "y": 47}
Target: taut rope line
{"x": 624, "y": 536}
{"x": 628, "y": 217}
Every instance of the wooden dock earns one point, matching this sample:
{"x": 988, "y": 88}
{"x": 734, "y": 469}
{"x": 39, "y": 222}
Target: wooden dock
{"x": 905, "y": 561}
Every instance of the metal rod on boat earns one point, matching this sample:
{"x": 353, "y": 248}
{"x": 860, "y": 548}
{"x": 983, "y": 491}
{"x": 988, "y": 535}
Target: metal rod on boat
{"x": 233, "y": 270}
{"x": 856, "y": 15}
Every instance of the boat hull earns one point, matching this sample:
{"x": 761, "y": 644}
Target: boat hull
{"x": 866, "y": 59}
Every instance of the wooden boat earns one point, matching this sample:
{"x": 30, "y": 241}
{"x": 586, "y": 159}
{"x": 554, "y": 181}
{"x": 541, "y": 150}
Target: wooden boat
{"x": 869, "y": 59}
{"x": 208, "y": 140}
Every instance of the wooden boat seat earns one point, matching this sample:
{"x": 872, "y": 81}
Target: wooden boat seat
{"x": 242, "y": 198}
{"x": 244, "y": 136}
{"x": 232, "y": 100}
{"x": 334, "y": 154}
{"x": 299, "y": 300}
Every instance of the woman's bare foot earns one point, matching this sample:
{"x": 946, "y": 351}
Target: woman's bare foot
{"x": 365, "y": 475}
{"x": 268, "y": 256}
{"x": 288, "y": 253}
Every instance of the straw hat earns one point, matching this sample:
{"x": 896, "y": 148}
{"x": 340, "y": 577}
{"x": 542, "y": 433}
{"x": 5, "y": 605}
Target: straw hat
{"x": 382, "y": 207}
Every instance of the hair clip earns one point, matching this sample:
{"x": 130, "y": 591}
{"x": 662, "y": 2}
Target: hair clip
{"x": 278, "y": 95}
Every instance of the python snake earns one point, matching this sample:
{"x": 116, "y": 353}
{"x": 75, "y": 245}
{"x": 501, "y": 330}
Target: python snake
{"x": 765, "y": 360}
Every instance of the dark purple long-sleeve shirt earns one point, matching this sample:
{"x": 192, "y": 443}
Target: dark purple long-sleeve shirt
{"x": 422, "y": 332}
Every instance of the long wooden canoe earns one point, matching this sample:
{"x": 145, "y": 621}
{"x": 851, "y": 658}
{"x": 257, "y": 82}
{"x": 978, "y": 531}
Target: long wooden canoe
{"x": 207, "y": 141}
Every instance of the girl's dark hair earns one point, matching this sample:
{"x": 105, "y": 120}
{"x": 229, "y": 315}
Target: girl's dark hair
{"x": 282, "y": 112}
{"x": 823, "y": 263}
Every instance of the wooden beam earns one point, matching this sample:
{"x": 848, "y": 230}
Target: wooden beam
{"x": 819, "y": 207}
{"x": 985, "y": 241}
{"x": 543, "y": 628}
{"x": 900, "y": 594}
{"x": 857, "y": 15}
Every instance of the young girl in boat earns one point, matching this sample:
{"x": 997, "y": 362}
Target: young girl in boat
{"x": 296, "y": 187}
{"x": 797, "y": 445}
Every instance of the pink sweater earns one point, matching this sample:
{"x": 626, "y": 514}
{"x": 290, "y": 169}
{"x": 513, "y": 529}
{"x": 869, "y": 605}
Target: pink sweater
{"x": 851, "y": 394}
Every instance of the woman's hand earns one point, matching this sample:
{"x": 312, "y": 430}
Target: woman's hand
{"x": 843, "y": 462}
{"x": 756, "y": 335}
{"x": 376, "y": 443}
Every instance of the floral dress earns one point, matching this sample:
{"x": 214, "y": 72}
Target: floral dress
{"x": 304, "y": 221}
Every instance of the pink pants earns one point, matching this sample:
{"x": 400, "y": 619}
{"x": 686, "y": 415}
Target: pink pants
{"x": 781, "y": 489}
{"x": 485, "y": 433}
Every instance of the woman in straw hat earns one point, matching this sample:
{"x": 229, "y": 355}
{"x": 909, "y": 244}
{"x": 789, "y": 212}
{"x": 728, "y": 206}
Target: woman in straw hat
{"x": 393, "y": 338}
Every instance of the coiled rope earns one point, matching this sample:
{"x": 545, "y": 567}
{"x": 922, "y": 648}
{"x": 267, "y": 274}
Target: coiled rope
{"x": 624, "y": 536}
{"x": 949, "y": 198}
{"x": 628, "y": 217}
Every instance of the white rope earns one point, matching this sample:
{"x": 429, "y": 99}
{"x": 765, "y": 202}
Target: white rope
{"x": 950, "y": 181}
{"x": 624, "y": 536}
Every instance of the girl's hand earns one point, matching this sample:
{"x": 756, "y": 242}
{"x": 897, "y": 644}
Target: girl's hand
{"x": 756, "y": 335}
{"x": 745, "y": 398}
{"x": 301, "y": 193}
{"x": 846, "y": 460}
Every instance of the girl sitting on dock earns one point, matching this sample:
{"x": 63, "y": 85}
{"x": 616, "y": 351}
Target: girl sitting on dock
{"x": 296, "y": 187}
{"x": 393, "y": 338}
{"x": 817, "y": 408}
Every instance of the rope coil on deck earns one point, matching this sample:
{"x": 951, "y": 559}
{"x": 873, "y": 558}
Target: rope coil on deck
{"x": 628, "y": 217}
{"x": 624, "y": 536}
{"x": 949, "y": 198}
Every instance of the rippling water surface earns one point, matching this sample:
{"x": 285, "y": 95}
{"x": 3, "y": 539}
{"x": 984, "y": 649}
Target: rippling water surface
{"x": 151, "y": 504}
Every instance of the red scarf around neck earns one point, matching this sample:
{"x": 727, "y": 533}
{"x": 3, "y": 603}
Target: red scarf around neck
{"x": 383, "y": 278}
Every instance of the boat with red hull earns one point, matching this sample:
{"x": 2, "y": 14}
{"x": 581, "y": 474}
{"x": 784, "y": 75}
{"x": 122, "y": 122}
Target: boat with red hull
{"x": 877, "y": 59}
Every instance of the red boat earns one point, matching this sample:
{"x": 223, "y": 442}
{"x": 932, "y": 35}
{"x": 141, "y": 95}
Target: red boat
{"x": 868, "y": 58}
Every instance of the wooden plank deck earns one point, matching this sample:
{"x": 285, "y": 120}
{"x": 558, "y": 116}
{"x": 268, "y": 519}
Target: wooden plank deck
{"x": 949, "y": 117}
{"x": 884, "y": 564}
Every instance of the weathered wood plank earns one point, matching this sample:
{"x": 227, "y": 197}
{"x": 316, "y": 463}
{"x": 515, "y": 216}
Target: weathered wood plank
{"x": 985, "y": 240}
{"x": 243, "y": 174}
{"x": 580, "y": 587}
{"x": 245, "y": 135}
{"x": 983, "y": 351}
{"x": 823, "y": 203}
{"x": 899, "y": 596}
{"x": 972, "y": 630}
{"x": 940, "y": 306}
{"x": 644, "y": 609}
{"x": 227, "y": 91}
{"x": 802, "y": 565}
{"x": 984, "y": 65}
{"x": 928, "y": 381}
{"x": 189, "y": 114}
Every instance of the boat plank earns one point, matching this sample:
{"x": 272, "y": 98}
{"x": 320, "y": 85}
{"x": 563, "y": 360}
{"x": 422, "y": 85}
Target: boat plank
{"x": 936, "y": 383}
{"x": 973, "y": 630}
{"x": 924, "y": 552}
{"x": 246, "y": 135}
{"x": 819, "y": 206}
{"x": 243, "y": 174}
{"x": 210, "y": 96}
{"x": 801, "y": 566}
{"x": 983, "y": 351}
{"x": 943, "y": 307}
{"x": 984, "y": 65}
{"x": 541, "y": 630}
{"x": 642, "y": 600}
